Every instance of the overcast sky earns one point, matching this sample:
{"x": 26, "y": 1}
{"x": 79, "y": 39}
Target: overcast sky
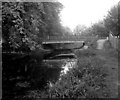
{"x": 85, "y": 12}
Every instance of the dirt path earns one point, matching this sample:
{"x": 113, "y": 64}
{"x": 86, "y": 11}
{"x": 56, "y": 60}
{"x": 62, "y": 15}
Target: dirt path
{"x": 111, "y": 63}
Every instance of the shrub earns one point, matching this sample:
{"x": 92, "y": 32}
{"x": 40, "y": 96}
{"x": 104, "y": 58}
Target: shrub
{"x": 85, "y": 53}
{"x": 82, "y": 81}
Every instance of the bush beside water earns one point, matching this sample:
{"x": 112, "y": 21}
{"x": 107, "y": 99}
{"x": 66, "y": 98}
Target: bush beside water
{"x": 86, "y": 80}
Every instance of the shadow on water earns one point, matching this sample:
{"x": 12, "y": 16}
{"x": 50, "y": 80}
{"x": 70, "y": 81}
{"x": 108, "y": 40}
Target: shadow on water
{"x": 21, "y": 74}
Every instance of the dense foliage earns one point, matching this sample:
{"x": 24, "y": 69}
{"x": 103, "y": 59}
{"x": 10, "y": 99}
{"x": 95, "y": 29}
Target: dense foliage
{"x": 79, "y": 29}
{"x": 112, "y": 20}
{"x": 97, "y": 29}
{"x": 25, "y": 24}
{"x": 100, "y": 30}
{"x": 103, "y": 28}
{"x": 85, "y": 80}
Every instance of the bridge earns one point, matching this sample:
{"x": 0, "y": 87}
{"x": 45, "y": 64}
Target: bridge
{"x": 62, "y": 44}
{"x": 68, "y": 42}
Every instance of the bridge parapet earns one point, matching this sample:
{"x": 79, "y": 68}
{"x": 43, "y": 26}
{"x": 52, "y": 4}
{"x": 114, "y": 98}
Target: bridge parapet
{"x": 62, "y": 44}
{"x": 68, "y": 38}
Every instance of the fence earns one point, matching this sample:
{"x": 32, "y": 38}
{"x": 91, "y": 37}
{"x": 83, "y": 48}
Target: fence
{"x": 114, "y": 40}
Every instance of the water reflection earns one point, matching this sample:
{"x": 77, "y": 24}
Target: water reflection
{"x": 64, "y": 62}
{"x": 67, "y": 66}
{"x": 38, "y": 74}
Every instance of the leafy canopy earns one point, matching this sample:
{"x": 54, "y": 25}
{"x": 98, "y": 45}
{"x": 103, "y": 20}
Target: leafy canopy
{"x": 112, "y": 20}
{"x": 25, "y": 24}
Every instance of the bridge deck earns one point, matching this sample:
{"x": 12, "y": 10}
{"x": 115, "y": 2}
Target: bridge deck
{"x": 62, "y": 42}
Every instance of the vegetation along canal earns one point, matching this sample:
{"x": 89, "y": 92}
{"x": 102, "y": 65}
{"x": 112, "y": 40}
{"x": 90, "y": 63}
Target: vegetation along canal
{"x": 24, "y": 72}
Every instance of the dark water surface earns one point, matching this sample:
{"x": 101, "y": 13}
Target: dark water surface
{"x": 23, "y": 73}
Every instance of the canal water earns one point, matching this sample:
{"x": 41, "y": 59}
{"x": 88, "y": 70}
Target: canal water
{"x": 64, "y": 65}
{"x": 49, "y": 70}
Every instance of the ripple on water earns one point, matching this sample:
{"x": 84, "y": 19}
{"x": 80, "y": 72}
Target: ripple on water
{"x": 69, "y": 64}
{"x": 66, "y": 65}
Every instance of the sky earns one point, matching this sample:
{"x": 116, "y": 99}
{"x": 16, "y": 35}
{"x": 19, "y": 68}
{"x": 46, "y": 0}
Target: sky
{"x": 84, "y": 12}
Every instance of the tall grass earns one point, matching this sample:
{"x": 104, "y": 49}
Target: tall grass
{"x": 85, "y": 80}
{"x": 110, "y": 50}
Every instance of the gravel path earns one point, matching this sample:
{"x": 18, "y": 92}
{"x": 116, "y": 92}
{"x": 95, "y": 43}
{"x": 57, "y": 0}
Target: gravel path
{"x": 111, "y": 63}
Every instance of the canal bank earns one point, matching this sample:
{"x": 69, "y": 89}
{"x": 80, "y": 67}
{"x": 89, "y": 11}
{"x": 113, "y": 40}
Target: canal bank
{"x": 90, "y": 76}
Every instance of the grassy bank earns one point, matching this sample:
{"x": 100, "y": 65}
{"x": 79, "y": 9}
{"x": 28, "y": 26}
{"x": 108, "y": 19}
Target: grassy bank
{"x": 94, "y": 76}
{"x": 91, "y": 78}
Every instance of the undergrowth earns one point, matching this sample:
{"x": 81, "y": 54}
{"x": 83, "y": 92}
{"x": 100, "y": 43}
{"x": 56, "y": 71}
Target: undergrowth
{"x": 85, "y": 80}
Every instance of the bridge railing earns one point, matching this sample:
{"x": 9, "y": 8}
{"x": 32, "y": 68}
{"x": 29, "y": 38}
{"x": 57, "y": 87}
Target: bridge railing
{"x": 69, "y": 38}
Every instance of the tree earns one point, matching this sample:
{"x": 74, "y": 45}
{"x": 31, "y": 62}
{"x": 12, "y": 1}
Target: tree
{"x": 111, "y": 20}
{"x": 25, "y": 24}
{"x": 87, "y": 32}
{"x": 67, "y": 31}
{"x": 52, "y": 18}
{"x": 12, "y": 24}
{"x": 79, "y": 29}
{"x": 100, "y": 30}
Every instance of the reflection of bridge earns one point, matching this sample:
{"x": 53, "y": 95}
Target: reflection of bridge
{"x": 62, "y": 44}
